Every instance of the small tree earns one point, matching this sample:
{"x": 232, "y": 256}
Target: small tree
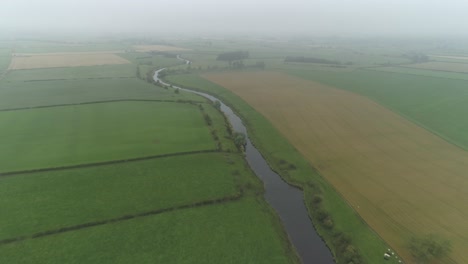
{"x": 240, "y": 139}
{"x": 217, "y": 104}
{"x": 429, "y": 247}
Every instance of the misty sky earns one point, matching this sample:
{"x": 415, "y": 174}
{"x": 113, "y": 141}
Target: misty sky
{"x": 329, "y": 17}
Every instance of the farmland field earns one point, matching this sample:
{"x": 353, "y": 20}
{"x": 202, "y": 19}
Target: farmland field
{"x": 86, "y": 72}
{"x": 399, "y": 177}
{"x": 57, "y": 60}
{"x": 441, "y": 66}
{"x": 148, "y": 48}
{"x": 59, "y": 136}
{"x": 434, "y": 103}
{"x": 20, "y": 94}
{"x": 422, "y": 72}
{"x": 77, "y": 196}
{"x": 236, "y": 232}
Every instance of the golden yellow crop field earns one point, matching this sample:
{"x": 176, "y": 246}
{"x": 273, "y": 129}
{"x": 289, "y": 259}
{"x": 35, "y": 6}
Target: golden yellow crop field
{"x": 148, "y": 48}
{"x": 399, "y": 177}
{"x": 57, "y": 60}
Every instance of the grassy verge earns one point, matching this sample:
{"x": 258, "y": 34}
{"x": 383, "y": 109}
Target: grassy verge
{"x": 60, "y": 136}
{"x": 349, "y": 238}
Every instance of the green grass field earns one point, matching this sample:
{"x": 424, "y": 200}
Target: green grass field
{"x": 29, "y": 94}
{"x": 434, "y": 103}
{"x": 428, "y": 73}
{"x": 275, "y": 148}
{"x": 236, "y": 232}
{"x": 85, "y": 72}
{"x": 56, "y": 199}
{"x": 59, "y": 136}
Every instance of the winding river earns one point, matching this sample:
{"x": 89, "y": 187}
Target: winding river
{"x": 288, "y": 201}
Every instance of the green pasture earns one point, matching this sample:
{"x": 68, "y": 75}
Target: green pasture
{"x": 37, "y": 202}
{"x": 29, "y": 94}
{"x": 60, "y": 136}
{"x": 234, "y": 232}
{"x": 434, "y": 103}
{"x": 428, "y": 73}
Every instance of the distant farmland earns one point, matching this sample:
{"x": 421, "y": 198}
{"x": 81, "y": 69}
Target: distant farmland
{"x": 442, "y": 66}
{"x": 55, "y": 60}
{"x": 147, "y": 48}
{"x": 399, "y": 177}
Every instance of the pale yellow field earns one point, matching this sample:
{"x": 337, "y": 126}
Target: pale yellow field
{"x": 399, "y": 177}
{"x": 442, "y": 66}
{"x": 55, "y": 60}
{"x": 148, "y": 48}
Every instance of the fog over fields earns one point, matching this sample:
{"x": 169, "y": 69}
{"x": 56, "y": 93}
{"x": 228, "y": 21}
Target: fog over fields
{"x": 324, "y": 17}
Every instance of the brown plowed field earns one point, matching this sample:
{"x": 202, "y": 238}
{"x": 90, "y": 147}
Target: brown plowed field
{"x": 399, "y": 177}
{"x": 57, "y": 60}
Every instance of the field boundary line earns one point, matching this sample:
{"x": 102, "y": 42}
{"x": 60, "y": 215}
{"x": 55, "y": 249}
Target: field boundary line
{"x": 104, "y": 163}
{"x": 124, "y": 218}
{"x": 102, "y": 102}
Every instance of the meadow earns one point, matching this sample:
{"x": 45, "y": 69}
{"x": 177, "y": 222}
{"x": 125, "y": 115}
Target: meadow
{"x": 20, "y": 94}
{"x": 77, "y": 196}
{"x": 422, "y": 72}
{"x": 235, "y": 232}
{"x": 441, "y": 66}
{"x": 70, "y": 135}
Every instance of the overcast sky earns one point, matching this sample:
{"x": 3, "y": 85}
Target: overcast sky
{"x": 325, "y": 17}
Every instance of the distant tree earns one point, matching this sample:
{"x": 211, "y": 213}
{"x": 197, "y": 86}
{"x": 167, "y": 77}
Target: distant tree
{"x": 240, "y": 139}
{"x": 260, "y": 64}
{"x": 233, "y": 56}
{"x": 428, "y": 248}
{"x": 138, "y": 72}
{"x": 176, "y": 90}
{"x": 217, "y": 104}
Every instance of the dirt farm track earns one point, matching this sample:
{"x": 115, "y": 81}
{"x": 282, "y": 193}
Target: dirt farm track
{"x": 399, "y": 177}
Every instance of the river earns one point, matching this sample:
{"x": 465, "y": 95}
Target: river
{"x": 288, "y": 201}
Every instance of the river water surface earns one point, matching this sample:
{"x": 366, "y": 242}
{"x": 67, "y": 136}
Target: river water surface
{"x": 288, "y": 201}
